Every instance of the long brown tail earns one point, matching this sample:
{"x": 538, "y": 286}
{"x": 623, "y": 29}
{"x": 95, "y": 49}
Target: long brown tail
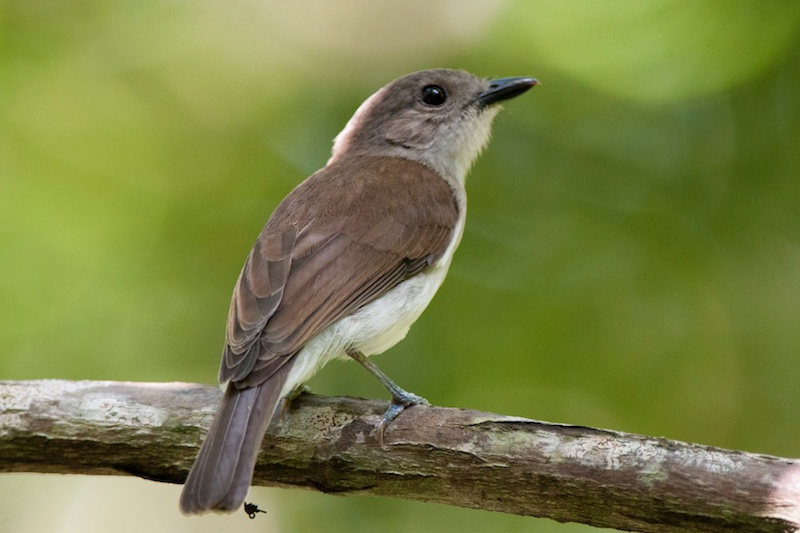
{"x": 223, "y": 470}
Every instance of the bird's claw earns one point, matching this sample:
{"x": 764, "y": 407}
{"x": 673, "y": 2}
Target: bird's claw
{"x": 286, "y": 402}
{"x": 399, "y": 404}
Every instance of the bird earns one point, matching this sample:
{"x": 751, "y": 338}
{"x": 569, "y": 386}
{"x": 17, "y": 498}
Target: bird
{"x": 346, "y": 263}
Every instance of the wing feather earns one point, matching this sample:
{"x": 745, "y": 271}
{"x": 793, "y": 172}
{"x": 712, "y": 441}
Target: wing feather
{"x": 340, "y": 240}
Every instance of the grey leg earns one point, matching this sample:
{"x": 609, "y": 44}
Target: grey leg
{"x": 400, "y": 397}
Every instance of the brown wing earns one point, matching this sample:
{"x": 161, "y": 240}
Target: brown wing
{"x": 337, "y": 242}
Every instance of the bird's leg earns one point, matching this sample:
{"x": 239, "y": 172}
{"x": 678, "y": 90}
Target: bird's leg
{"x": 400, "y": 398}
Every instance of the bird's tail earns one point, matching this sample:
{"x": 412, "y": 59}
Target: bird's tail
{"x": 223, "y": 470}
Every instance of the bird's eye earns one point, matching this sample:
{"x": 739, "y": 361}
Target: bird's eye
{"x": 433, "y": 95}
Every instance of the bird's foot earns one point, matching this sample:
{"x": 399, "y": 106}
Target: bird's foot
{"x": 289, "y": 398}
{"x": 400, "y": 400}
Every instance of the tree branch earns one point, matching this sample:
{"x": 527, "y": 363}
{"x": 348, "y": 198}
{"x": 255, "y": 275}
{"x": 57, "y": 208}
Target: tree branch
{"x": 452, "y": 456}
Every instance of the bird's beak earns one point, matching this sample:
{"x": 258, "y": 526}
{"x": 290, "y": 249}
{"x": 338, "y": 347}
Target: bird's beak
{"x": 505, "y": 88}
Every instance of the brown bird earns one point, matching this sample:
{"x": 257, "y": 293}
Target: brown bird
{"x": 347, "y": 262}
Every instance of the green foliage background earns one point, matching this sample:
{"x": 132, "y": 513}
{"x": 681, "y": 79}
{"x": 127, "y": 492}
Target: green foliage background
{"x": 632, "y": 252}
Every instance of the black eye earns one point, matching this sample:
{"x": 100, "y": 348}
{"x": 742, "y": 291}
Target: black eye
{"x": 433, "y": 95}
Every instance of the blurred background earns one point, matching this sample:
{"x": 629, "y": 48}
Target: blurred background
{"x": 631, "y": 258}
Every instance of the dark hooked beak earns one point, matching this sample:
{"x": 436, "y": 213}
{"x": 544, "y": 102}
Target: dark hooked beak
{"x": 505, "y": 88}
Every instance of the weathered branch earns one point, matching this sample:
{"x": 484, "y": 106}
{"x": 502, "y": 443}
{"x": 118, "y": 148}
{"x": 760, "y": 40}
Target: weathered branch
{"x": 453, "y": 456}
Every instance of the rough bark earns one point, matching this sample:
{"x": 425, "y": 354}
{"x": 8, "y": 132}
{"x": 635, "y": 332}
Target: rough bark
{"x": 452, "y": 456}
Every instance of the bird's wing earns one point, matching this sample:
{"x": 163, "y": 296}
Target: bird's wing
{"x": 337, "y": 242}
